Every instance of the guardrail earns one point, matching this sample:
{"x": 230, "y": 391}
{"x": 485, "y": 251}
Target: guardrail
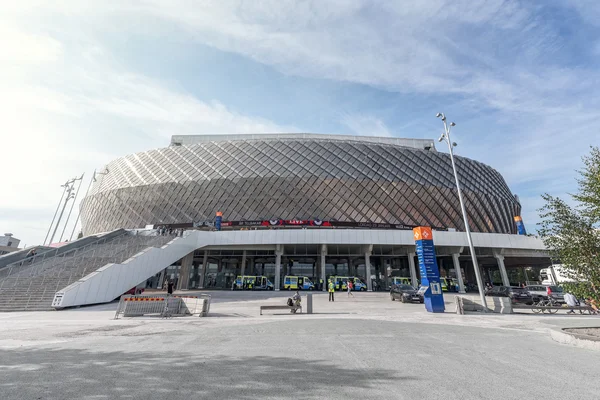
{"x": 501, "y": 305}
{"x": 163, "y": 306}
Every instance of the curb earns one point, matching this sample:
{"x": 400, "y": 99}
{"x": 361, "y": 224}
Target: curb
{"x": 558, "y": 335}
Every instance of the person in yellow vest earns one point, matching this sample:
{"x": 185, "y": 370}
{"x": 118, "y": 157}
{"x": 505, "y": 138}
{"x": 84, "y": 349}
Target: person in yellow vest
{"x": 331, "y": 289}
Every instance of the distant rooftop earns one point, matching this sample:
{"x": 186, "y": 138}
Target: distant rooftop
{"x": 421, "y": 144}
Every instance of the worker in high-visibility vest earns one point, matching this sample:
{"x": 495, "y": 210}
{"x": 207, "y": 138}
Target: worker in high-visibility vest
{"x": 331, "y": 288}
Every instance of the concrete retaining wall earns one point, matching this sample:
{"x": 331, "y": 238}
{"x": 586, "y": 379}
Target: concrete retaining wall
{"x": 500, "y": 305}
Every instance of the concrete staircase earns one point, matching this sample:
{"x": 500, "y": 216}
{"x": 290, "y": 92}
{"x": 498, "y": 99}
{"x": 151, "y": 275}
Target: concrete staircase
{"x": 31, "y": 287}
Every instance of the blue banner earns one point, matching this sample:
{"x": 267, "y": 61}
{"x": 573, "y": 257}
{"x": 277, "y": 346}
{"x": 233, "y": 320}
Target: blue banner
{"x": 520, "y": 226}
{"x": 218, "y": 220}
{"x": 430, "y": 274}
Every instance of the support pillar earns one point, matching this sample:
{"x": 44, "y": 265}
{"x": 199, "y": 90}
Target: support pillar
{"x": 503, "y": 274}
{"x": 413, "y": 270}
{"x": 203, "y": 270}
{"x": 323, "y": 266}
{"x": 243, "y": 269}
{"x": 278, "y": 253}
{"x": 368, "y": 251}
{"x": 161, "y": 279}
{"x": 184, "y": 273}
{"x": 385, "y": 265}
{"x": 456, "y": 261}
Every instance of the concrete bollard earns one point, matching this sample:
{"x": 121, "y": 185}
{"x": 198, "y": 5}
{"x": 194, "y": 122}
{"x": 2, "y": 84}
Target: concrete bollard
{"x": 309, "y": 303}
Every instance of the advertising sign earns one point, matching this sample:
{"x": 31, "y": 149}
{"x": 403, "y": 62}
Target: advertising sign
{"x": 520, "y": 225}
{"x": 297, "y": 223}
{"x": 218, "y": 220}
{"x": 430, "y": 274}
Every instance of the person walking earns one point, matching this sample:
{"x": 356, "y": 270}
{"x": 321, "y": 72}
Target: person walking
{"x": 571, "y": 302}
{"x": 350, "y": 286}
{"x": 170, "y": 287}
{"x": 331, "y": 289}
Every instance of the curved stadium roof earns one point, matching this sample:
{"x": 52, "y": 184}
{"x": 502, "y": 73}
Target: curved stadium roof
{"x": 297, "y": 176}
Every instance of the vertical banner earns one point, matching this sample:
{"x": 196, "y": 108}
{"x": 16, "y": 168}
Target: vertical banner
{"x": 520, "y": 226}
{"x": 218, "y": 220}
{"x": 430, "y": 274}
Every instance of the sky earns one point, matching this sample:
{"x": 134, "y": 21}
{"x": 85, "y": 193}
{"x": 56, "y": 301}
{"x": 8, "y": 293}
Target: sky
{"x": 84, "y": 82}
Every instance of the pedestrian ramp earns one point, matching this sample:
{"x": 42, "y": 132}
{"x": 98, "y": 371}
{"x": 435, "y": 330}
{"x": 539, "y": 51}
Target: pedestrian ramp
{"x": 31, "y": 284}
{"x": 163, "y": 306}
{"x": 110, "y": 281}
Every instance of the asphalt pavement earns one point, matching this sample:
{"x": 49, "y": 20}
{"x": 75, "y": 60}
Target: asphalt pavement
{"x": 365, "y": 347}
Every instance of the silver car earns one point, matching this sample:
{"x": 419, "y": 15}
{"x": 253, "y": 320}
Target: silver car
{"x": 540, "y": 292}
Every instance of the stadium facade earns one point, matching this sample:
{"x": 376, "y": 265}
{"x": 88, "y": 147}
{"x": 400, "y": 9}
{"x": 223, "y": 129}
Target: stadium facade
{"x": 311, "y": 182}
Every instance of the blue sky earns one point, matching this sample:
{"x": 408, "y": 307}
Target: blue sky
{"x": 82, "y": 83}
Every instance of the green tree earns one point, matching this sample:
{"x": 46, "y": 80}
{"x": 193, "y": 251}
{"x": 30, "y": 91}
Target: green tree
{"x": 572, "y": 233}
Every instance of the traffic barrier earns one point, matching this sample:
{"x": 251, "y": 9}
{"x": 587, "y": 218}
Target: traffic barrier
{"x": 163, "y": 306}
{"x": 500, "y": 305}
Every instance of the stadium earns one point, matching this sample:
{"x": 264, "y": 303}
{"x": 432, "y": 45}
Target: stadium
{"x": 348, "y": 179}
{"x": 306, "y": 182}
{"x": 308, "y": 206}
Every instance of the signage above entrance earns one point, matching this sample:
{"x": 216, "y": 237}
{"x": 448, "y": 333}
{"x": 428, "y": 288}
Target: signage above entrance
{"x": 288, "y": 223}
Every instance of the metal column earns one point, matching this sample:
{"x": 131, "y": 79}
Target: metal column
{"x": 203, "y": 271}
{"x": 456, "y": 261}
{"x": 503, "y": 274}
{"x": 368, "y": 251}
{"x": 413, "y": 271}
{"x": 323, "y": 266}
{"x": 243, "y": 269}
{"x": 184, "y": 274}
{"x": 278, "y": 253}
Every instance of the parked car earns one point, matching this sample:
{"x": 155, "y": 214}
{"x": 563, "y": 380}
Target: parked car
{"x": 537, "y": 291}
{"x": 517, "y": 295}
{"x": 556, "y": 292}
{"x": 405, "y": 293}
{"x": 540, "y": 292}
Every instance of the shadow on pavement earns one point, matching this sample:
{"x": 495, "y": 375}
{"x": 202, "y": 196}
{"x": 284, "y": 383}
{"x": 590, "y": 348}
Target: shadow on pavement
{"x": 66, "y": 374}
{"x": 238, "y": 315}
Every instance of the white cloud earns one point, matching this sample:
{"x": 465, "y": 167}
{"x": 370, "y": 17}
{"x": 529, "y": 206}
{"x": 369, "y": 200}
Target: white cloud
{"x": 17, "y": 46}
{"x": 79, "y": 116}
{"x": 59, "y": 99}
{"x": 366, "y": 125}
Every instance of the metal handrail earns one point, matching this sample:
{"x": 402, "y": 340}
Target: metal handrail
{"x": 31, "y": 262}
{"x": 40, "y": 268}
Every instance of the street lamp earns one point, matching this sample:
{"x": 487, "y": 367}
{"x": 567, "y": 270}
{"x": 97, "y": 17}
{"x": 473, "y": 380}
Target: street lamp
{"x": 446, "y": 137}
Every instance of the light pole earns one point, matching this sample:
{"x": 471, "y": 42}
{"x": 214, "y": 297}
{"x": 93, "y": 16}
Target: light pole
{"x": 56, "y": 212}
{"x": 80, "y": 179}
{"x": 446, "y": 136}
{"x": 86, "y": 193}
{"x": 69, "y": 191}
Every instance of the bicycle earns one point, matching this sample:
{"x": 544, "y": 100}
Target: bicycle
{"x": 540, "y": 303}
{"x": 548, "y": 302}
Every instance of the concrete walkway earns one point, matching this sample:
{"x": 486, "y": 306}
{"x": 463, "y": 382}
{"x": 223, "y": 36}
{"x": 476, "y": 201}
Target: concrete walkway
{"x": 364, "y": 347}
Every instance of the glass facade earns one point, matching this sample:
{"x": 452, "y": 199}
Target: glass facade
{"x": 297, "y": 178}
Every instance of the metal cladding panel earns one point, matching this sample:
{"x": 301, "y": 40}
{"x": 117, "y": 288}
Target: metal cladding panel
{"x": 297, "y": 178}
